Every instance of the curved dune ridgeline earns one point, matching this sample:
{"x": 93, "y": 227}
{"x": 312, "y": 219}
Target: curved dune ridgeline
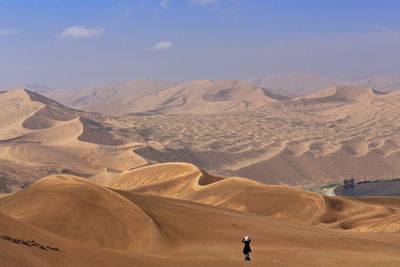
{"x": 183, "y": 181}
{"x": 231, "y": 128}
{"x": 40, "y": 136}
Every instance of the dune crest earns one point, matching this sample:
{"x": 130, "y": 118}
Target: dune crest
{"x": 16, "y": 107}
{"x": 185, "y": 181}
{"x": 91, "y": 225}
{"x": 345, "y": 93}
{"x": 41, "y": 137}
{"x": 83, "y": 211}
{"x": 203, "y": 97}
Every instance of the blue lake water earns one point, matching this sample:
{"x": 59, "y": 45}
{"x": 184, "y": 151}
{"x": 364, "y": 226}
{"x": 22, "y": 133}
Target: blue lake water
{"x": 380, "y": 188}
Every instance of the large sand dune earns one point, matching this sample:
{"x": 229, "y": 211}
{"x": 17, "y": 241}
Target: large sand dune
{"x": 40, "y": 136}
{"x": 322, "y": 138}
{"x": 90, "y": 225}
{"x": 185, "y": 181}
{"x": 110, "y": 99}
{"x": 306, "y": 83}
{"x": 146, "y": 96}
{"x": 203, "y": 97}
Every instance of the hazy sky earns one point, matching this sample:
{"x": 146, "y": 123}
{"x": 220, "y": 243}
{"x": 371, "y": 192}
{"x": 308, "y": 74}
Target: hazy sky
{"x": 71, "y": 43}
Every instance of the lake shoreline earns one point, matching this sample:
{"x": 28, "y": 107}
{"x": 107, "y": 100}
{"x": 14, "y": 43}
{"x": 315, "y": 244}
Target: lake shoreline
{"x": 370, "y": 188}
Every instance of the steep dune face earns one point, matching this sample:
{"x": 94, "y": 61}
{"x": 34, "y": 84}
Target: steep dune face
{"x": 345, "y": 93}
{"x": 110, "y": 99}
{"x": 203, "y": 97}
{"x": 83, "y": 211}
{"x": 16, "y": 107}
{"x": 183, "y": 181}
{"x": 40, "y": 136}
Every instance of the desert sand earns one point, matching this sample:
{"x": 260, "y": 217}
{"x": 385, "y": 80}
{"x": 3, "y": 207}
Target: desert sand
{"x": 303, "y": 84}
{"x": 81, "y": 223}
{"x": 147, "y": 96}
{"x": 111, "y": 98}
{"x": 322, "y": 138}
{"x": 105, "y": 199}
{"x": 40, "y": 136}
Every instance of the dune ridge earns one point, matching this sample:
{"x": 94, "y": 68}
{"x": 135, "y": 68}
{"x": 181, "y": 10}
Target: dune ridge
{"x": 93, "y": 225}
{"x": 323, "y": 138}
{"x": 42, "y": 136}
{"x": 184, "y": 181}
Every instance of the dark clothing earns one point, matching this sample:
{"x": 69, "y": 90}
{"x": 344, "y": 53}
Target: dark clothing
{"x": 246, "y": 249}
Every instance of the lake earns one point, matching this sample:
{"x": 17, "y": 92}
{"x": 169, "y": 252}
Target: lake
{"x": 376, "y": 188}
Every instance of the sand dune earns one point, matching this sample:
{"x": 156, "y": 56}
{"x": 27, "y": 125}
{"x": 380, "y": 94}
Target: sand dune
{"x": 306, "y": 83}
{"x": 16, "y": 108}
{"x": 338, "y": 133}
{"x": 297, "y": 83}
{"x": 185, "y": 181}
{"x": 146, "y": 96}
{"x": 203, "y": 97}
{"x": 110, "y": 99}
{"x": 83, "y": 211}
{"x": 40, "y": 136}
{"x": 91, "y": 225}
{"x": 345, "y": 93}
{"x": 319, "y": 139}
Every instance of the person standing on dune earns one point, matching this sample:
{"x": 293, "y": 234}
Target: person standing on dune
{"x": 246, "y": 250}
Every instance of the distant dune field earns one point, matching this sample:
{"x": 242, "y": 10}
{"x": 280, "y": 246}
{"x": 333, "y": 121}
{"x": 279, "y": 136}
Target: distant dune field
{"x": 224, "y": 127}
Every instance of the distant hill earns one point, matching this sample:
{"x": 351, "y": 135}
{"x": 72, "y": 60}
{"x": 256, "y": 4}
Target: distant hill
{"x": 296, "y": 83}
{"x": 203, "y": 97}
{"x": 345, "y": 93}
{"x": 305, "y": 83}
{"x": 38, "y": 88}
{"x": 380, "y": 82}
{"x": 150, "y": 97}
{"x": 110, "y": 99}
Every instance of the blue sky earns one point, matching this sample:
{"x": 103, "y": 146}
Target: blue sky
{"x": 70, "y": 43}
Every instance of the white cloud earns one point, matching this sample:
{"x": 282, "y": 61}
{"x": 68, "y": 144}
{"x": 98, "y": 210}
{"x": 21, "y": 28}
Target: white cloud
{"x": 201, "y": 2}
{"x": 162, "y": 45}
{"x": 81, "y": 32}
{"x": 8, "y": 31}
{"x": 164, "y": 3}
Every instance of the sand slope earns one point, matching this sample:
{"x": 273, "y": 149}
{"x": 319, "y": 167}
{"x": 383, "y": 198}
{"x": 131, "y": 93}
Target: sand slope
{"x": 185, "y": 181}
{"x": 345, "y": 93}
{"x": 146, "y": 96}
{"x": 306, "y": 83}
{"x": 40, "y": 136}
{"x": 203, "y": 97}
{"x": 322, "y": 138}
{"x": 83, "y": 211}
{"x": 110, "y": 99}
{"x": 90, "y": 224}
